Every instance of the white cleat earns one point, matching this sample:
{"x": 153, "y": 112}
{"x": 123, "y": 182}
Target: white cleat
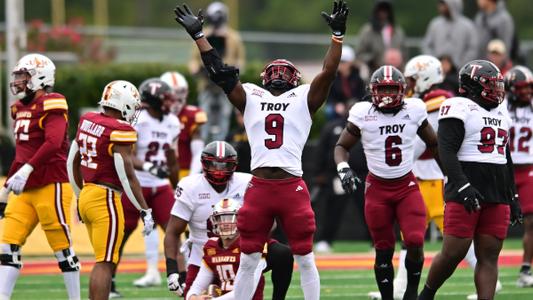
{"x": 374, "y": 295}
{"x": 524, "y": 280}
{"x": 498, "y": 288}
{"x": 149, "y": 279}
{"x": 323, "y": 247}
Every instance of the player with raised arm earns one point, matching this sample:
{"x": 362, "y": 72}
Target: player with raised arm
{"x": 195, "y": 196}
{"x": 519, "y": 87}
{"x": 100, "y": 168}
{"x": 277, "y": 118}
{"x": 221, "y": 257}
{"x": 156, "y": 168}
{"x": 388, "y": 127}
{"x": 37, "y": 177}
{"x": 190, "y": 144}
{"x": 473, "y": 134}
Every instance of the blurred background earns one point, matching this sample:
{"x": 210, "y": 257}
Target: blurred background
{"x": 95, "y": 41}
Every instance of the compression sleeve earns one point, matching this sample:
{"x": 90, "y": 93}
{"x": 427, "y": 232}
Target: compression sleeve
{"x": 450, "y": 137}
{"x": 201, "y": 282}
{"x": 74, "y": 148}
{"x": 121, "y": 172}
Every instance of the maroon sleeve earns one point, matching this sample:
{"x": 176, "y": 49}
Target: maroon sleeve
{"x": 55, "y": 127}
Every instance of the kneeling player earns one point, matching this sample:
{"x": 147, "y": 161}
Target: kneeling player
{"x": 222, "y": 255}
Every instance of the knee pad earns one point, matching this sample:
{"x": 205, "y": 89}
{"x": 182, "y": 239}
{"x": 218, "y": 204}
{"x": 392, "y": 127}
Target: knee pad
{"x": 67, "y": 260}
{"x": 10, "y": 255}
{"x": 249, "y": 262}
{"x": 384, "y": 258}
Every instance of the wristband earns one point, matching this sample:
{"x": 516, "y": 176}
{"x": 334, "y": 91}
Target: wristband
{"x": 342, "y": 165}
{"x": 172, "y": 266}
{"x": 463, "y": 187}
{"x": 198, "y": 35}
{"x": 337, "y": 38}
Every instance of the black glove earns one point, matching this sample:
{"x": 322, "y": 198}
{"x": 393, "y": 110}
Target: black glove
{"x": 2, "y": 210}
{"x": 348, "y": 180}
{"x": 516, "y": 212}
{"x": 337, "y": 19}
{"x": 470, "y": 197}
{"x": 191, "y": 23}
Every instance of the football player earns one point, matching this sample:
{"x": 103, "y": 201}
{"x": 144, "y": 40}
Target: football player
{"x": 479, "y": 193}
{"x": 156, "y": 166}
{"x": 195, "y": 196}
{"x": 37, "y": 177}
{"x": 388, "y": 127}
{"x": 519, "y": 85}
{"x": 277, "y": 118}
{"x": 190, "y": 144}
{"x": 221, "y": 256}
{"x": 100, "y": 168}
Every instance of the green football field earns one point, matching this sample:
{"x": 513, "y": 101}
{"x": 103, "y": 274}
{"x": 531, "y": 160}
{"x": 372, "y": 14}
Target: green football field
{"x": 336, "y": 284}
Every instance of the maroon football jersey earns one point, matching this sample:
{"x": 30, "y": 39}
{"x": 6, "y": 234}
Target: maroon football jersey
{"x": 224, "y": 263}
{"x": 31, "y": 126}
{"x": 191, "y": 117}
{"x": 97, "y": 133}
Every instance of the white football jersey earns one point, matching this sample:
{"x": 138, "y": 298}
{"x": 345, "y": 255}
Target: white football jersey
{"x": 277, "y": 127}
{"x": 520, "y": 134}
{"x": 424, "y": 167}
{"x": 486, "y": 131}
{"x": 388, "y": 139}
{"x": 195, "y": 198}
{"x": 153, "y": 138}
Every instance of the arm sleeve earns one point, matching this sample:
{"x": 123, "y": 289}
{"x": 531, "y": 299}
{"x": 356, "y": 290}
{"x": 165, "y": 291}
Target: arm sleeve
{"x": 510, "y": 169}
{"x": 55, "y": 127}
{"x": 74, "y": 148}
{"x": 257, "y": 277}
{"x": 201, "y": 282}
{"x": 450, "y": 137}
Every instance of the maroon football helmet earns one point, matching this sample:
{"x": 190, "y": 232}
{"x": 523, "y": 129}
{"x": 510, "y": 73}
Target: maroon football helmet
{"x": 280, "y": 74}
{"x": 387, "y": 87}
{"x": 219, "y": 161}
{"x": 482, "y": 81}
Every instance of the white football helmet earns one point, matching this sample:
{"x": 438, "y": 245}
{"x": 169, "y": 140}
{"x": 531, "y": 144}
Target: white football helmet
{"x": 41, "y": 71}
{"x": 224, "y": 218}
{"x": 426, "y": 70}
{"x": 122, "y": 96}
{"x": 180, "y": 89}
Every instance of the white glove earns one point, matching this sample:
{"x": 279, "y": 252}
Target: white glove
{"x": 148, "y": 220}
{"x": 174, "y": 285}
{"x": 4, "y": 193}
{"x": 17, "y": 182}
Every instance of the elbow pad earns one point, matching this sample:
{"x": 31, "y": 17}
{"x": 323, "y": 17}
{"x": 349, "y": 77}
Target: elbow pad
{"x": 226, "y": 77}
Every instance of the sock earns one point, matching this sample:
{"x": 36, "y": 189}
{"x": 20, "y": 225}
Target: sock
{"x": 402, "y": 271}
{"x": 427, "y": 293}
{"x": 471, "y": 257}
{"x": 9, "y": 277}
{"x": 525, "y": 268}
{"x": 309, "y": 278}
{"x": 113, "y": 285}
{"x": 384, "y": 273}
{"x": 72, "y": 283}
{"x": 151, "y": 243}
{"x": 414, "y": 271}
{"x": 244, "y": 280}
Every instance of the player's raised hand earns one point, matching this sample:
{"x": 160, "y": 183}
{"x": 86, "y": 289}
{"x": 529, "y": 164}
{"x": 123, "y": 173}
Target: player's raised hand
{"x": 192, "y": 23}
{"x": 516, "y": 211}
{"x": 148, "y": 220}
{"x": 337, "y": 19}
{"x": 470, "y": 197}
{"x": 348, "y": 180}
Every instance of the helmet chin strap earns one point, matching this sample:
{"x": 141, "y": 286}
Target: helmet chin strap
{"x": 27, "y": 97}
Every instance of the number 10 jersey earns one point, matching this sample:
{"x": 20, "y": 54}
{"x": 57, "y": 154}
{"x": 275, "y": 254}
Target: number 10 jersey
{"x": 277, "y": 127}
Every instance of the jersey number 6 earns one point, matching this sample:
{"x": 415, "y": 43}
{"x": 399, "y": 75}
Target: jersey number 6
{"x": 393, "y": 154}
{"x": 274, "y": 126}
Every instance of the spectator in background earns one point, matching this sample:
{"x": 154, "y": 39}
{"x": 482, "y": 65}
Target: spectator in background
{"x": 329, "y": 184}
{"x": 451, "y": 34}
{"x": 493, "y": 21}
{"x": 380, "y": 34}
{"x": 451, "y": 79}
{"x": 393, "y": 57}
{"x": 347, "y": 85}
{"x": 497, "y": 54}
{"x": 211, "y": 98}
{"x": 239, "y": 140}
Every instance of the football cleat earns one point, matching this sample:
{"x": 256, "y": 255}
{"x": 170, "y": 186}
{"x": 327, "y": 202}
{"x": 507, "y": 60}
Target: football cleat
{"x": 524, "y": 280}
{"x": 149, "y": 279}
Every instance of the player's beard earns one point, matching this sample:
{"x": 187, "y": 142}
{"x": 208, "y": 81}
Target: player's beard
{"x": 27, "y": 97}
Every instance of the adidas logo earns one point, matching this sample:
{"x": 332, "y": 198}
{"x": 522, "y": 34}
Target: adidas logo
{"x": 411, "y": 183}
{"x": 237, "y": 195}
{"x": 406, "y": 117}
{"x": 291, "y": 95}
{"x": 299, "y": 188}
{"x": 385, "y": 280}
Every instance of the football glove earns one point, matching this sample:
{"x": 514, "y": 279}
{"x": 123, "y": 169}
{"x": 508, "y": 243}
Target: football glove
{"x": 214, "y": 290}
{"x": 337, "y": 19}
{"x": 176, "y": 282}
{"x": 148, "y": 220}
{"x": 348, "y": 180}
{"x": 155, "y": 170}
{"x": 469, "y": 197}
{"x": 191, "y": 23}
{"x": 4, "y": 193}
{"x": 516, "y": 212}
{"x": 17, "y": 182}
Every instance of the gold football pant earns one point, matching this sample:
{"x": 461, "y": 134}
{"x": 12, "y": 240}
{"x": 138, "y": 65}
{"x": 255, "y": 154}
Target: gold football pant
{"x": 433, "y": 194}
